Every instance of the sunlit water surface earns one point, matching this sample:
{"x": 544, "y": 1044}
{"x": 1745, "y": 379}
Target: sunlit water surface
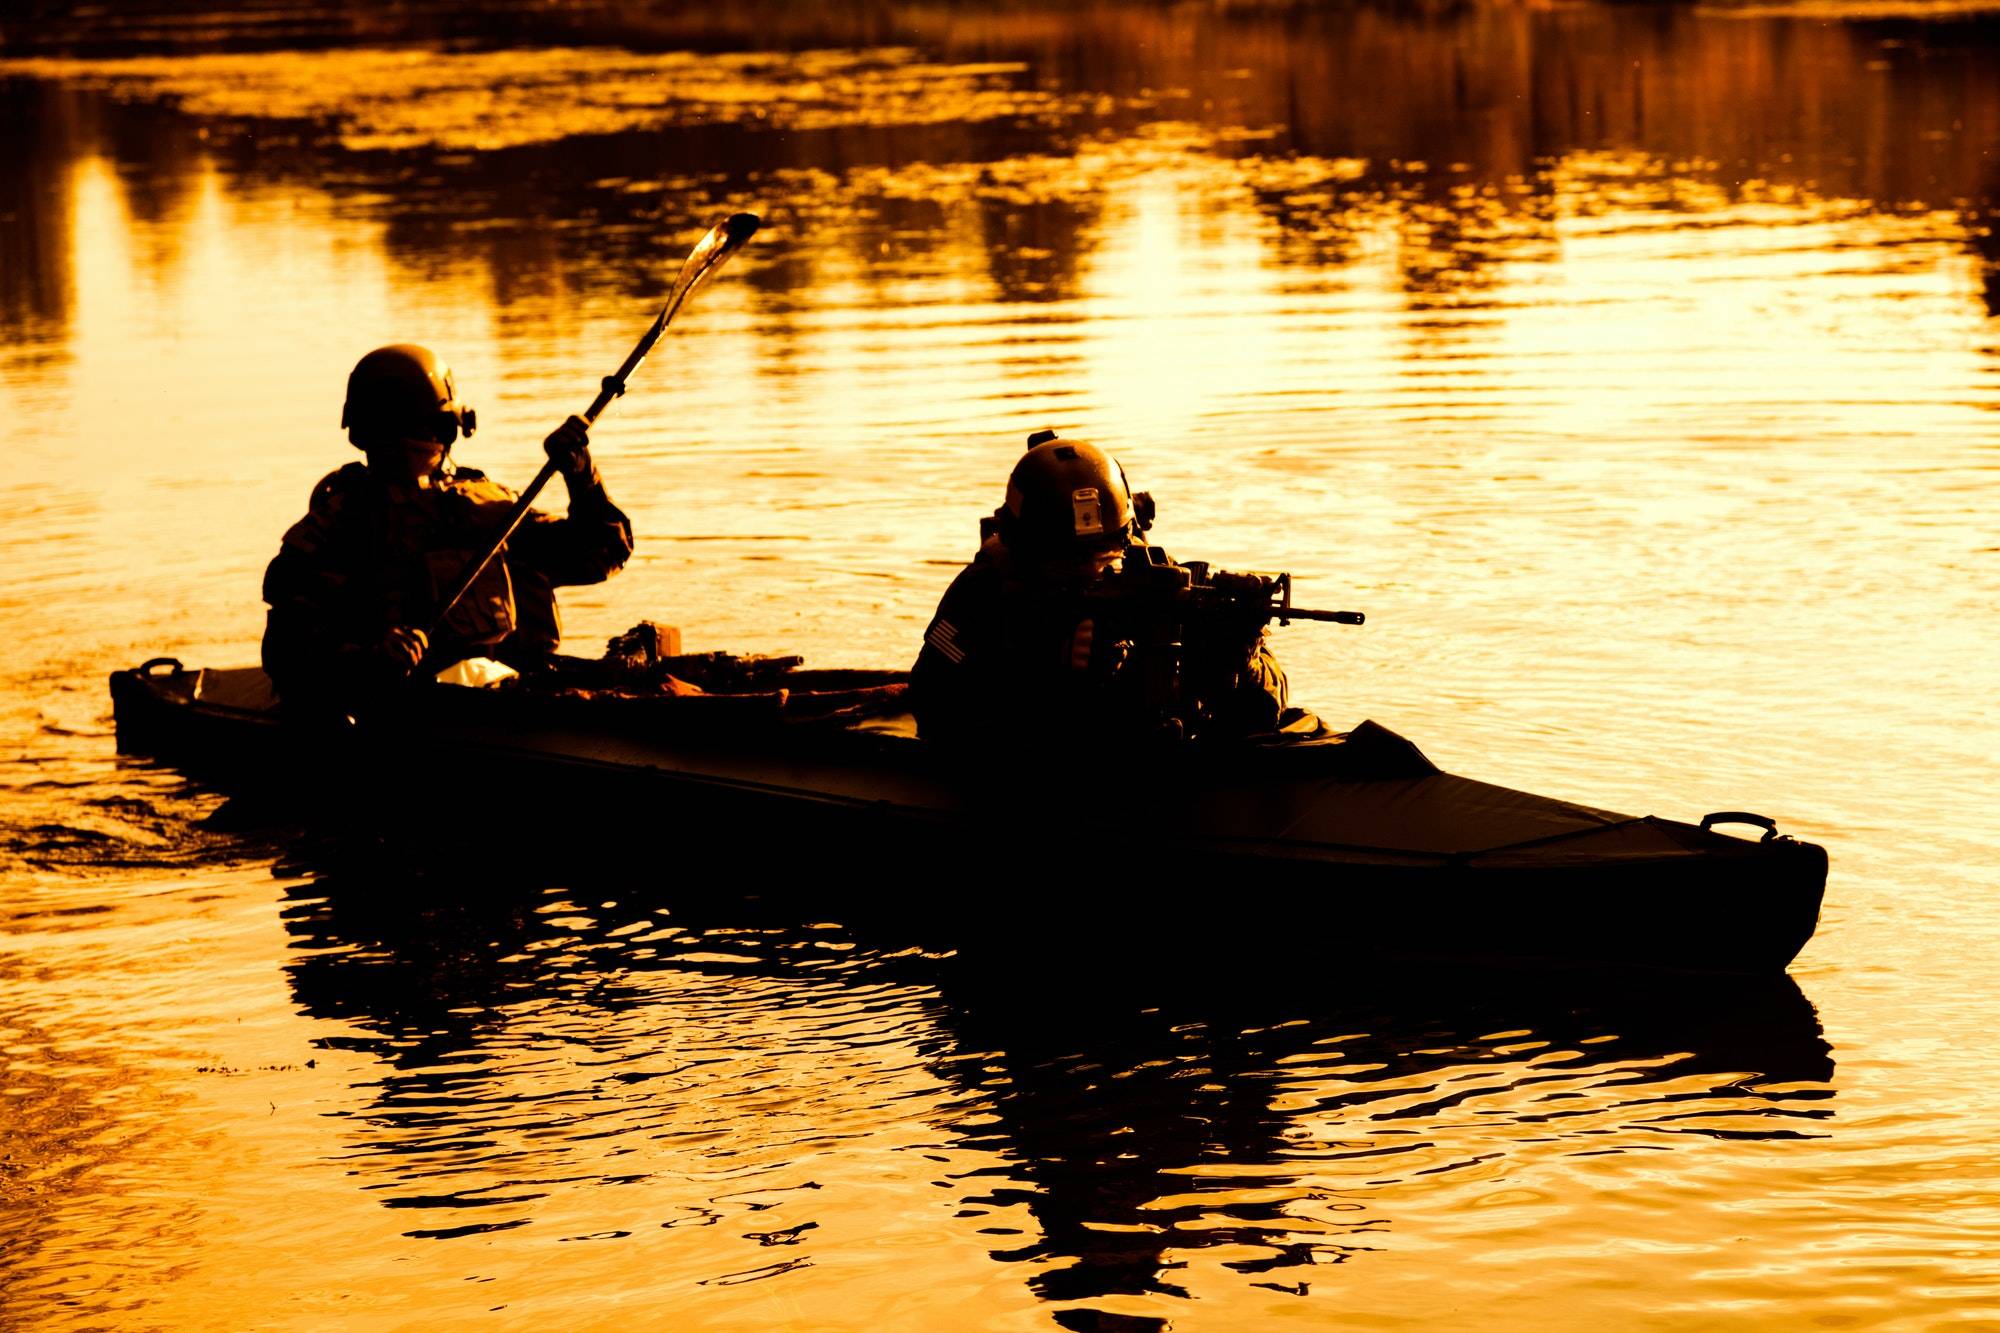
{"x": 1635, "y": 370}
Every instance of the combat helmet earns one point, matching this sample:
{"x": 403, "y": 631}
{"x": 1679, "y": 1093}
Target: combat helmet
{"x": 1067, "y": 496}
{"x": 404, "y": 392}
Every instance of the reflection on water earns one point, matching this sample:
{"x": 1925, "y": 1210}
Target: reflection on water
{"x": 1118, "y": 1137}
{"x": 1634, "y": 367}
{"x": 1166, "y": 1150}
{"x": 677, "y": 1094}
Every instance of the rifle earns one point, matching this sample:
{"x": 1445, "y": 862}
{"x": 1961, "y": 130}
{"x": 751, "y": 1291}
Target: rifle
{"x": 1151, "y": 579}
{"x": 1188, "y": 632}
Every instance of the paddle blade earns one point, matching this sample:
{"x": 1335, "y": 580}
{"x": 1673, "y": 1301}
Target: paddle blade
{"x": 724, "y": 239}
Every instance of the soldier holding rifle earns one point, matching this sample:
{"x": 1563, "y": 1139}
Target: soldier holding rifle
{"x": 1068, "y": 630}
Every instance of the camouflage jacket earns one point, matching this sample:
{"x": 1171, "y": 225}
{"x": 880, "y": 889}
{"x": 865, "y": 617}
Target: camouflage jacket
{"x": 366, "y": 559}
{"x": 996, "y": 672}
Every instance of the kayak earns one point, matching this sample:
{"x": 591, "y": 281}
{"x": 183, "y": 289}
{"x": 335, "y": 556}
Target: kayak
{"x": 1352, "y": 845}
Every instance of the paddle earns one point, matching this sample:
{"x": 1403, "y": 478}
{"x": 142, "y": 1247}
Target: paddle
{"x": 723, "y": 240}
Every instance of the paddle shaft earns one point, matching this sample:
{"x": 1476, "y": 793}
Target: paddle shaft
{"x": 613, "y": 386}
{"x": 723, "y": 240}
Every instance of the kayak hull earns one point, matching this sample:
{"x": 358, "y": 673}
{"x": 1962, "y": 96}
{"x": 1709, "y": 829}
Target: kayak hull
{"x": 1353, "y": 851}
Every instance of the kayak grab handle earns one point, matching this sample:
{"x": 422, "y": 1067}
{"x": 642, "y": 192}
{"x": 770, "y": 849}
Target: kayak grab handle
{"x": 172, "y": 664}
{"x": 1769, "y": 825}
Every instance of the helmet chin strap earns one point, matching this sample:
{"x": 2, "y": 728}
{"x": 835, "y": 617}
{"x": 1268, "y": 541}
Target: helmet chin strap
{"x": 392, "y": 460}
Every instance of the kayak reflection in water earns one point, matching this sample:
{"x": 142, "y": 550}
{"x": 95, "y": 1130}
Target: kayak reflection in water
{"x": 1069, "y": 630}
{"x": 357, "y": 582}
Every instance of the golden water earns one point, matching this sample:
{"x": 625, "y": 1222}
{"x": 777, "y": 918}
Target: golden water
{"x": 1636, "y": 370}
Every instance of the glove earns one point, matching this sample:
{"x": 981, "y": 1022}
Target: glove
{"x": 568, "y": 447}
{"x": 1079, "y": 645}
{"x": 1085, "y": 651}
{"x": 403, "y": 647}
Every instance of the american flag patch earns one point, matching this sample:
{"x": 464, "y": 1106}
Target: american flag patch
{"x": 943, "y": 636}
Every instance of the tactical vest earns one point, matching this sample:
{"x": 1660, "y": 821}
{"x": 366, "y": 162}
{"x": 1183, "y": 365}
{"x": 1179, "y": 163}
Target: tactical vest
{"x": 413, "y": 546}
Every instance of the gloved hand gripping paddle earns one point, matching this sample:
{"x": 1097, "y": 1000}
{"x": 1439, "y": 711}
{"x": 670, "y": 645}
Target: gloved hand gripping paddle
{"x": 723, "y": 240}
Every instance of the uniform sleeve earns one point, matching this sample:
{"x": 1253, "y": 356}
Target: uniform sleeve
{"x": 996, "y": 672}
{"x": 1259, "y": 700}
{"x": 957, "y": 675}
{"x": 1231, "y": 669}
{"x": 589, "y": 545}
{"x": 318, "y": 635}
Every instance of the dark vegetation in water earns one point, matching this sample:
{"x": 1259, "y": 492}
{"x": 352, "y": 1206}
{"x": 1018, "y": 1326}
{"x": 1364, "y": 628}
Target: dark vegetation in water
{"x": 1454, "y": 117}
{"x": 77, "y": 27}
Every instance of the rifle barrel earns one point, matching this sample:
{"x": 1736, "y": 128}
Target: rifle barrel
{"x": 1331, "y": 617}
